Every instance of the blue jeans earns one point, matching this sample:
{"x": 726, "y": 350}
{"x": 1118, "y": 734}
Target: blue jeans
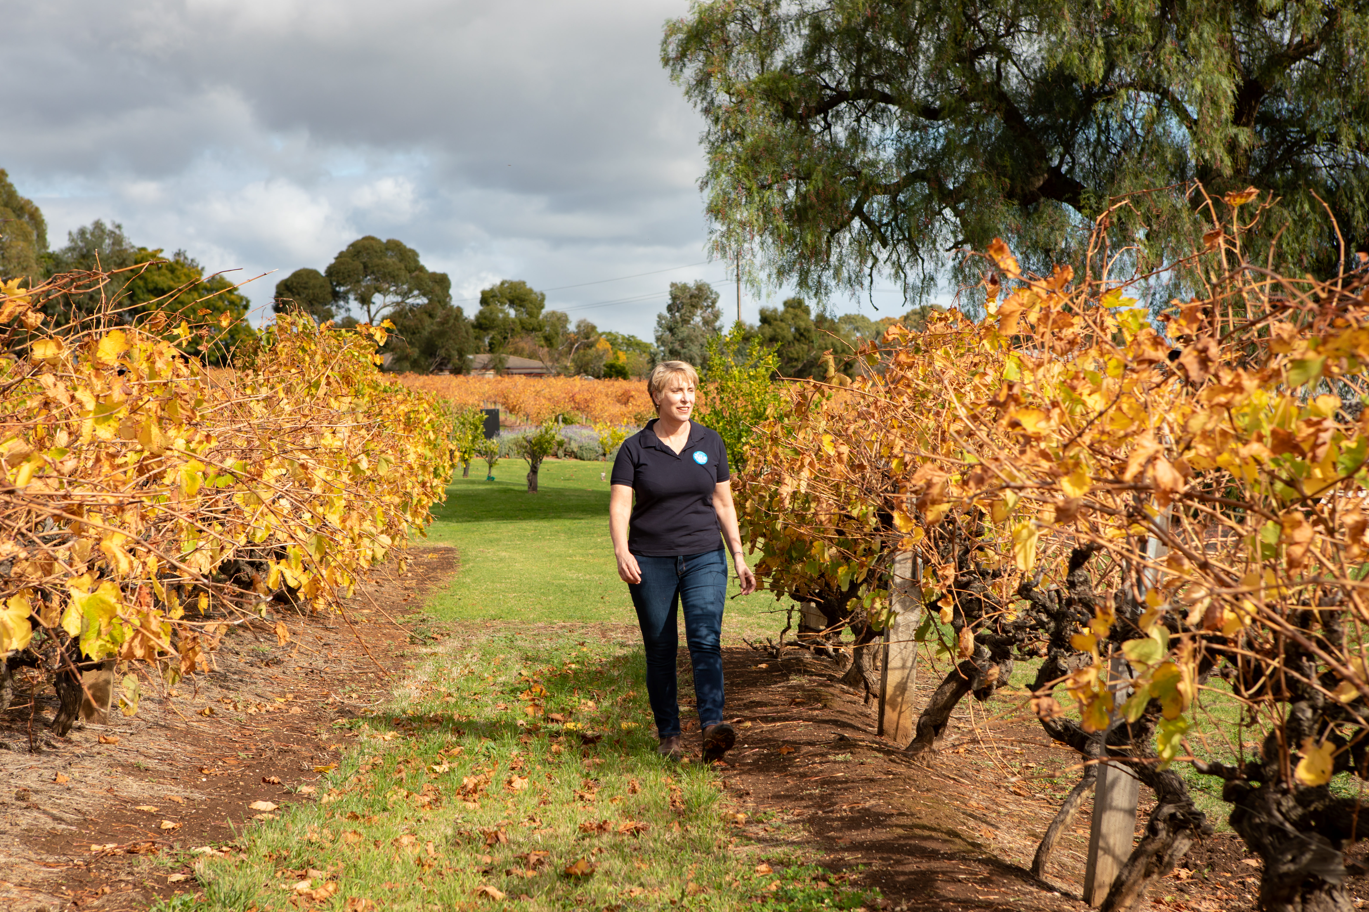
{"x": 699, "y": 582}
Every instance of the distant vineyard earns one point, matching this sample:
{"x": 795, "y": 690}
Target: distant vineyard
{"x": 533, "y": 400}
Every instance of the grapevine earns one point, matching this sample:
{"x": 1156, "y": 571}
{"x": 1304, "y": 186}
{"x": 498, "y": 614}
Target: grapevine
{"x": 148, "y": 503}
{"x": 1081, "y": 486}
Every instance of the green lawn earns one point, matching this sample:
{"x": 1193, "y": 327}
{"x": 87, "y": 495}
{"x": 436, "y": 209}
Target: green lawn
{"x": 547, "y": 556}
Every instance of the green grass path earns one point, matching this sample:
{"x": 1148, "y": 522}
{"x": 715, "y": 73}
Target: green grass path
{"x": 547, "y": 556}
{"x": 515, "y": 766}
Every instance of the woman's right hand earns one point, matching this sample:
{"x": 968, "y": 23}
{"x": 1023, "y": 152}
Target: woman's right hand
{"x": 628, "y": 571}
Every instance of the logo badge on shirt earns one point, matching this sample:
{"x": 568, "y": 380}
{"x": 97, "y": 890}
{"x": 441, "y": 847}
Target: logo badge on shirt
{"x": 701, "y": 457}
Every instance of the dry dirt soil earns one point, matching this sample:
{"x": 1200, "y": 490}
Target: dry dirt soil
{"x": 112, "y": 817}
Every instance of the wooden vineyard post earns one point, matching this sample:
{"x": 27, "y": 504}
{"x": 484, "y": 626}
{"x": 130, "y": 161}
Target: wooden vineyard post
{"x": 1114, "y": 799}
{"x": 898, "y": 720}
{"x": 1114, "y": 809}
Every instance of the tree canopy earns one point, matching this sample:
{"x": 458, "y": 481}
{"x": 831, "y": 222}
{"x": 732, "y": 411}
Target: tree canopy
{"x": 306, "y": 289}
{"x": 852, "y": 137}
{"x": 430, "y": 337}
{"x": 23, "y": 234}
{"x": 509, "y": 310}
{"x": 691, "y": 318}
{"x": 799, "y": 340}
{"x": 380, "y": 277}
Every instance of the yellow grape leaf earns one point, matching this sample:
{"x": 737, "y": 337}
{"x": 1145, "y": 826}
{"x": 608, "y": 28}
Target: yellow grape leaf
{"x": 225, "y": 320}
{"x": 1169, "y": 736}
{"x": 829, "y": 445}
{"x": 1240, "y": 197}
{"x": 1143, "y": 651}
{"x": 1316, "y": 764}
{"x": 114, "y": 344}
{"x": 965, "y": 643}
{"x": 1097, "y": 712}
{"x": 1033, "y": 420}
{"x": 46, "y": 349}
{"x": 903, "y": 522}
{"x": 15, "y": 629}
{"x": 1084, "y": 642}
{"x": 1346, "y": 692}
{"x": 1001, "y": 255}
{"x": 1024, "y": 538}
{"x": 1297, "y": 535}
{"x": 998, "y": 511}
{"x": 1076, "y": 483}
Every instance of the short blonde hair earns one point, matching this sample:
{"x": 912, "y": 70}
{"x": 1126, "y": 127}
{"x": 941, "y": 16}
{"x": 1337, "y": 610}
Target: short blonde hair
{"x": 666, "y": 371}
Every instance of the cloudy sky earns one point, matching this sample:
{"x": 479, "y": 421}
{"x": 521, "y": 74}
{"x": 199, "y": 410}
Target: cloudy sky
{"x": 528, "y": 139}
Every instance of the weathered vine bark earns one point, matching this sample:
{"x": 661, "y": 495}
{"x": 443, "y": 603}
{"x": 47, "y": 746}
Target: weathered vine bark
{"x": 931, "y": 724}
{"x": 1304, "y": 868}
{"x": 1170, "y": 831}
{"x": 865, "y": 658}
{"x": 1068, "y": 809}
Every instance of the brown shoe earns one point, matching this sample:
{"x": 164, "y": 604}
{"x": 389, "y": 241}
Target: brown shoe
{"x": 718, "y": 740}
{"x": 671, "y": 748}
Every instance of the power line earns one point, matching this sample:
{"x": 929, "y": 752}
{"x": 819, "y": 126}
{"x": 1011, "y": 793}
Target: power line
{"x": 602, "y": 281}
{"x": 635, "y": 299}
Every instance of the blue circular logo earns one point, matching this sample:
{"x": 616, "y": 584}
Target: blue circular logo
{"x": 701, "y": 457}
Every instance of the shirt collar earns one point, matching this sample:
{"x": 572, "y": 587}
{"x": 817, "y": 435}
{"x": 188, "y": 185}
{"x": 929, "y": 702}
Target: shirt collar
{"x": 696, "y": 435}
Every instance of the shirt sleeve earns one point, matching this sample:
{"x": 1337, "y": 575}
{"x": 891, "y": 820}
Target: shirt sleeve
{"x": 624, "y": 470}
{"x": 724, "y": 474}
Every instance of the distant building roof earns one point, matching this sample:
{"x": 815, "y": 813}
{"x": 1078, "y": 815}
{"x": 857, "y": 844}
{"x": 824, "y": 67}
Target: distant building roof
{"x": 513, "y": 366}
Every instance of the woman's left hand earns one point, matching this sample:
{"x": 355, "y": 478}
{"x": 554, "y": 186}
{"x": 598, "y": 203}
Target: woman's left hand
{"x": 746, "y": 577}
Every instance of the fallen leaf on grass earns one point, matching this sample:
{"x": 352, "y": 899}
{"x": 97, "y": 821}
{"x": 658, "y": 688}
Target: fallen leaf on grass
{"x": 489, "y": 892}
{"x": 264, "y": 806}
{"x": 357, "y": 904}
{"x": 306, "y": 790}
{"x": 1253, "y": 862}
{"x": 61, "y": 779}
{"x": 533, "y": 860}
{"x": 787, "y": 749}
{"x": 109, "y": 739}
{"x": 582, "y": 868}
{"x": 764, "y": 869}
{"x": 270, "y": 780}
{"x": 176, "y": 798}
{"x": 326, "y": 768}
{"x": 169, "y": 825}
{"x": 591, "y": 827}
{"x": 693, "y": 889}
{"x": 145, "y": 807}
{"x": 494, "y": 837}
{"x": 351, "y": 837}
{"x": 516, "y": 783}
{"x": 631, "y": 828}
{"x": 177, "y": 878}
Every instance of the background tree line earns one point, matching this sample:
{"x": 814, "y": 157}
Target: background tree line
{"x": 139, "y": 280}
{"x": 377, "y": 280}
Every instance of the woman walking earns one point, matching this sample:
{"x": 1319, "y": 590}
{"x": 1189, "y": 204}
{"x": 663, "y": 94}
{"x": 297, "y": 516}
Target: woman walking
{"x": 670, "y": 554}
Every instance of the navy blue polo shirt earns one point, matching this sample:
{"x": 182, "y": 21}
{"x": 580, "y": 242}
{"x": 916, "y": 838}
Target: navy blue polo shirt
{"x": 674, "y": 512}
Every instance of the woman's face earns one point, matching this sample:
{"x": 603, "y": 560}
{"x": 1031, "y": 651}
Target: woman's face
{"x": 677, "y": 399}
